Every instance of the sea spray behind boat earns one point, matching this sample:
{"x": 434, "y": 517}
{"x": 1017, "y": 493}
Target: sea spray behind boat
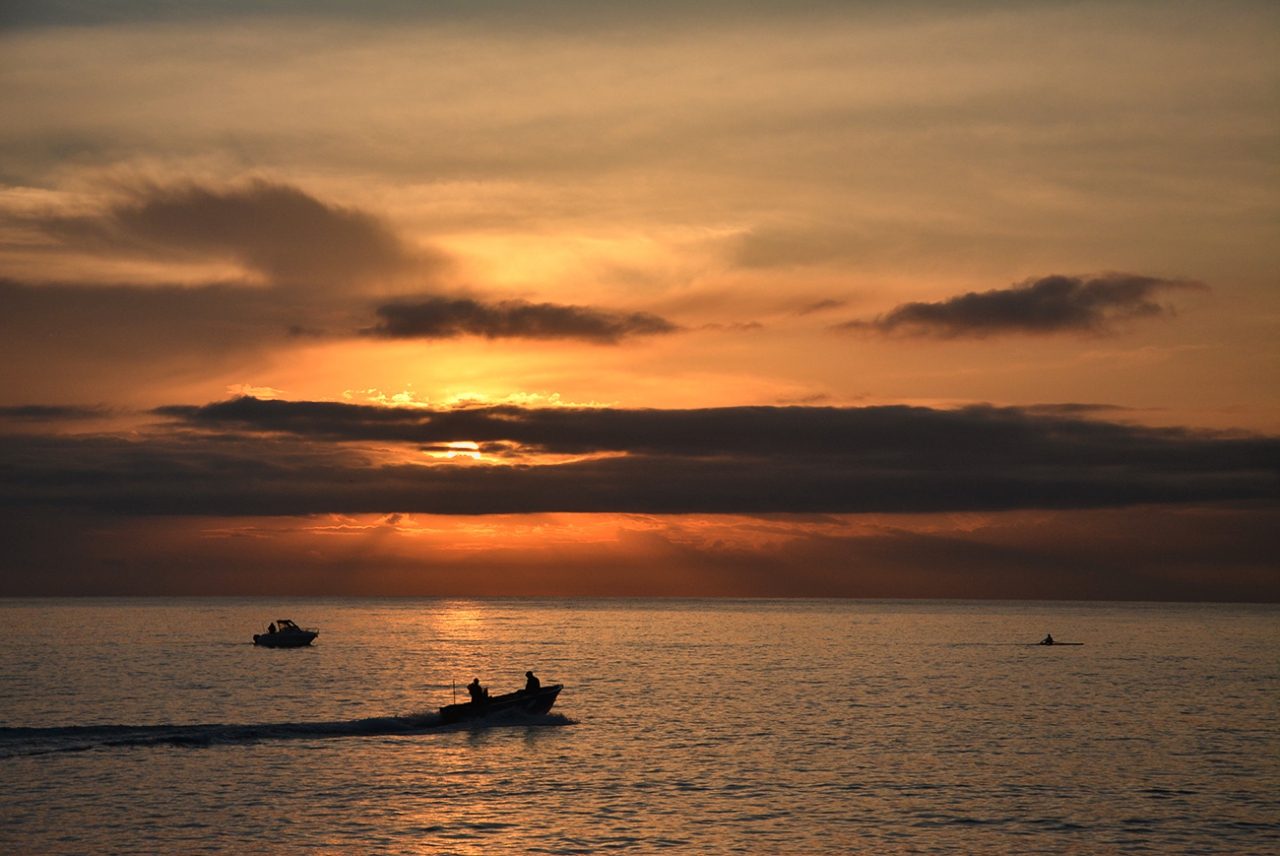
{"x": 17, "y": 742}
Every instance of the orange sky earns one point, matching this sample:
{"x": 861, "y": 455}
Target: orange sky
{"x": 674, "y": 208}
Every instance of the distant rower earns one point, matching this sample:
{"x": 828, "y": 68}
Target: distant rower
{"x": 1048, "y": 640}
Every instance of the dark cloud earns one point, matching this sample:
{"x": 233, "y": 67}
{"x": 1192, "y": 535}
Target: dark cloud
{"x": 50, "y": 413}
{"x": 1075, "y": 409}
{"x": 251, "y": 457}
{"x": 1052, "y": 304}
{"x": 445, "y": 318}
{"x": 277, "y": 230}
{"x": 976, "y": 434}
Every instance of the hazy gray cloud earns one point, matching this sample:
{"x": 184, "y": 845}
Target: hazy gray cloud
{"x": 1149, "y": 553}
{"x": 277, "y": 230}
{"x": 296, "y": 242}
{"x": 766, "y": 249}
{"x": 87, "y": 341}
{"x": 251, "y": 457}
{"x": 1051, "y": 304}
{"x": 821, "y": 306}
{"x": 445, "y": 318}
{"x": 495, "y": 13}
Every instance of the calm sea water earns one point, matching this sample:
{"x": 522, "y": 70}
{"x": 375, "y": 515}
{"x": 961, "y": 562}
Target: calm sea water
{"x": 702, "y": 726}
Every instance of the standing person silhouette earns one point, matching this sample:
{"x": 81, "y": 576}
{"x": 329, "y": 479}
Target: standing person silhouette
{"x": 479, "y": 694}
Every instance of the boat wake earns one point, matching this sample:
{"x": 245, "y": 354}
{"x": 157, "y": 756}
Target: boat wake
{"x": 17, "y": 742}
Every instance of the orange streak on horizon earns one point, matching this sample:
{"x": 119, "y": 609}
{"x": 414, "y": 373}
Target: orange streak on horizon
{"x": 1192, "y": 553}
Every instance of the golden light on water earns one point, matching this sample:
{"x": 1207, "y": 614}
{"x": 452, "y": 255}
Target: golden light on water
{"x": 460, "y": 619}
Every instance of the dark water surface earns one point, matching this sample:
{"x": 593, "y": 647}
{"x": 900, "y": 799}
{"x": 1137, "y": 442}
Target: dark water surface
{"x": 686, "y": 726}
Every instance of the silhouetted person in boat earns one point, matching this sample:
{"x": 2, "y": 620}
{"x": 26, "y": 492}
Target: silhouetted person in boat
{"x": 272, "y": 628}
{"x": 1048, "y": 639}
{"x": 479, "y": 695}
{"x": 532, "y": 685}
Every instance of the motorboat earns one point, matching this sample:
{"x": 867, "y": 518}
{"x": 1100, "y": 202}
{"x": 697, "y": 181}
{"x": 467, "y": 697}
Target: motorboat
{"x": 522, "y": 701}
{"x": 285, "y": 634}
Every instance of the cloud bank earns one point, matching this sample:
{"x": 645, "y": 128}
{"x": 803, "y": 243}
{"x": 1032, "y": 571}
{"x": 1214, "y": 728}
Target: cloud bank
{"x": 251, "y": 457}
{"x": 445, "y": 318}
{"x": 50, "y": 413}
{"x": 1052, "y": 304}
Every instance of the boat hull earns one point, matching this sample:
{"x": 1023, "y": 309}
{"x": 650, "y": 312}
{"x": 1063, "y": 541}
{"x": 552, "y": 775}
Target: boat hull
{"x": 537, "y": 702}
{"x": 284, "y": 640}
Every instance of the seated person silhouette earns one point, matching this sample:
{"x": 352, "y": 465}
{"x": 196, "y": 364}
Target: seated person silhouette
{"x": 479, "y": 695}
{"x": 1048, "y": 640}
{"x": 532, "y": 685}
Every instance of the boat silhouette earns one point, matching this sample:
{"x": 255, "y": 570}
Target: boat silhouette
{"x": 285, "y": 634}
{"x": 537, "y": 701}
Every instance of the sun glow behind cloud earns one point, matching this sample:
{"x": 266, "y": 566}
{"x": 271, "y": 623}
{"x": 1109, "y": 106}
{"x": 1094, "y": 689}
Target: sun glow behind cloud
{"x": 461, "y": 400}
{"x": 459, "y": 448}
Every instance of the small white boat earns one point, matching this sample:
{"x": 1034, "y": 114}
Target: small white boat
{"x": 285, "y": 634}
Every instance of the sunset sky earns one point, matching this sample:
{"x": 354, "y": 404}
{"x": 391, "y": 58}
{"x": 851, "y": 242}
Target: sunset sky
{"x": 744, "y": 299}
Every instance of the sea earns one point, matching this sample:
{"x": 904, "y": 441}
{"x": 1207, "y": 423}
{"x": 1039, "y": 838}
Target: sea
{"x": 155, "y": 726}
